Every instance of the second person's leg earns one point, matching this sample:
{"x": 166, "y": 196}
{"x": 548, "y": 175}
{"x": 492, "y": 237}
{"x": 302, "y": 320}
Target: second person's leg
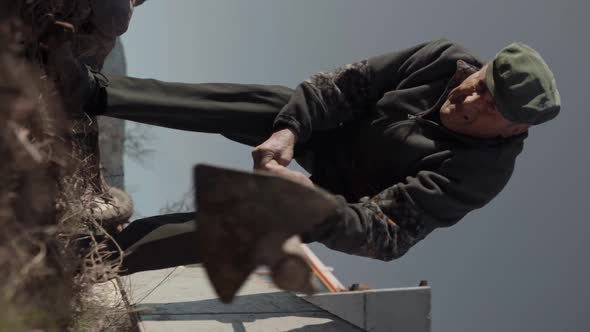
{"x": 242, "y": 112}
{"x": 158, "y": 242}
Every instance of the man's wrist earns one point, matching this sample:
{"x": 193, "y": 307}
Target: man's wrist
{"x": 282, "y": 122}
{"x": 291, "y": 132}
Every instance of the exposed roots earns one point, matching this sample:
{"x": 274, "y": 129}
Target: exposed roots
{"x": 56, "y": 213}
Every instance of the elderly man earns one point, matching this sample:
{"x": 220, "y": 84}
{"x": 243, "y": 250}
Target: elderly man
{"x": 408, "y": 141}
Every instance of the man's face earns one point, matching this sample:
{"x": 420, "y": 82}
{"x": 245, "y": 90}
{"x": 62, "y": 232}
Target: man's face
{"x": 470, "y": 110}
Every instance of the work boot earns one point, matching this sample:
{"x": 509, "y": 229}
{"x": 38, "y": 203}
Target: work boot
{"x": 76, "y": 83}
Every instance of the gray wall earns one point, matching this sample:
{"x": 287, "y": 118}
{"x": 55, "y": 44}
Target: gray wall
{"x": 519, "y": 264}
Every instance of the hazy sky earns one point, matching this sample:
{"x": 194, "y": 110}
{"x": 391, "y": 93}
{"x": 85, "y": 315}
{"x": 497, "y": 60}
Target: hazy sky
{"x": 520, "y": 263}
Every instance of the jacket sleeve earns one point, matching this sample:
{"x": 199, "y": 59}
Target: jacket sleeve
{"x": 387, "y": 225}
{"x": 328, "y": 99}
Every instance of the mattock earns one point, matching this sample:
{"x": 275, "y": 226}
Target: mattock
{"x": 246, "y": 220}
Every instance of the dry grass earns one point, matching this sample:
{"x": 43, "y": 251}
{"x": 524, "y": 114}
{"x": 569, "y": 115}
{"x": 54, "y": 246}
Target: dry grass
{"x": 34, "y": 287}
{"x": 50, "y": 251}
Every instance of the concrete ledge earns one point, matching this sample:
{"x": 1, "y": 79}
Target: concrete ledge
{"x": 182, "y": 299}
{"x": 301, "y": 322}
{"x": 397, "y": 309}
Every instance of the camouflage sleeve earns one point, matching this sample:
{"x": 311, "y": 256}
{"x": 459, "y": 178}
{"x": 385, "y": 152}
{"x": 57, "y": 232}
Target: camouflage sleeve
{"x": 393, "y": 227}
{"x": 383, "y": 227}
{"x": 328, "y": 99}
{"x": 388, "y": 224}
{"x": 343, "y": 89}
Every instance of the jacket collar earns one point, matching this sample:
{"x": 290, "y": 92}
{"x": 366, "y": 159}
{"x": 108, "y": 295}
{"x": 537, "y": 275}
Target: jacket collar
{"x": 463, "y": 71}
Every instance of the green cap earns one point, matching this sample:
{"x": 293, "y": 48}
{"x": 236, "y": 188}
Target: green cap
{"x": 523, "y": 86}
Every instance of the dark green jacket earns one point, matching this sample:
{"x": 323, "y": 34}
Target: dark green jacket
{"x": 374, "y": 130}
{"x": 368, "y": 132}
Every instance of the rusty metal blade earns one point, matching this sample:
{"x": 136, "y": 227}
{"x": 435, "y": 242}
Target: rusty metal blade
{"x": 244, "y": 219}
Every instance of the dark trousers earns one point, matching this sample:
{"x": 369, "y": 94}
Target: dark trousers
{"x": 240, "y": 112}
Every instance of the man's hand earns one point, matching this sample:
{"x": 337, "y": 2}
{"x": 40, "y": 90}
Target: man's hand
{"x": 281, "y": 171}
{"x": 279, "y": 147}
